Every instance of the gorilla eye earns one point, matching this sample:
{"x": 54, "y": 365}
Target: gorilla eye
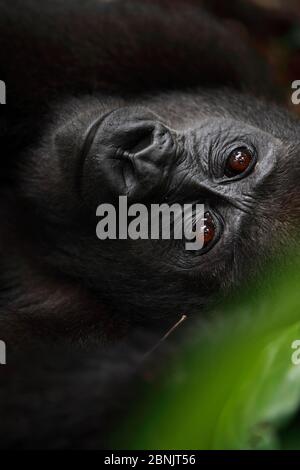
{"x": 209, "y": 228}
{"x": 238, "y": 162}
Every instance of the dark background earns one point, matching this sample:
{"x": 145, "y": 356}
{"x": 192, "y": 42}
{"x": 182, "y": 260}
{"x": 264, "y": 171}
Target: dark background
{"x": 273, "y": 27}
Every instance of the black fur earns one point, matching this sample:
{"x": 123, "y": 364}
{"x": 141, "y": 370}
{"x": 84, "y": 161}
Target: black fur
{"x": 67, "y": 63}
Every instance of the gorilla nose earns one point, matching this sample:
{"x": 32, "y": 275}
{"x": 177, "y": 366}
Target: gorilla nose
{"x": 127, "y": 152}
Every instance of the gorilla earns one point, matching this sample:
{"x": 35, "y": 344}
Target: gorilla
{"x": 156, "y": 101}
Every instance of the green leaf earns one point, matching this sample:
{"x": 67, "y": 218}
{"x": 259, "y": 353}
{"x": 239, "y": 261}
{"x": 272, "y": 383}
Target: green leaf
{"x": 234, "y": 385}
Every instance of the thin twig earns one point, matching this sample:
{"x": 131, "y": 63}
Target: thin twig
{"x": 169, "y": 332}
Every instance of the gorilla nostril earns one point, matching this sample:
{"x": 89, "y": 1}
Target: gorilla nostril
{"x": 138, "y": 140}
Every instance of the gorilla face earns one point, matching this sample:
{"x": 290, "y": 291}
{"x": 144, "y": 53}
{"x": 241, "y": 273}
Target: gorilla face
{"x": 95, "y": 151}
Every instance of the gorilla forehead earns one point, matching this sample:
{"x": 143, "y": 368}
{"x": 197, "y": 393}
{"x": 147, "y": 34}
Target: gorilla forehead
{"x": 182, "y": 109}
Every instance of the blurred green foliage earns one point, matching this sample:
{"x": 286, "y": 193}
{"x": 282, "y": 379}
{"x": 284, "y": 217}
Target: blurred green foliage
{"x": 233, "y": 386}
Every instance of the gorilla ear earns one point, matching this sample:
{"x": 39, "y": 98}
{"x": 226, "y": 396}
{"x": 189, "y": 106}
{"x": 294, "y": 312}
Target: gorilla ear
{"x": 129, "y": 151}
